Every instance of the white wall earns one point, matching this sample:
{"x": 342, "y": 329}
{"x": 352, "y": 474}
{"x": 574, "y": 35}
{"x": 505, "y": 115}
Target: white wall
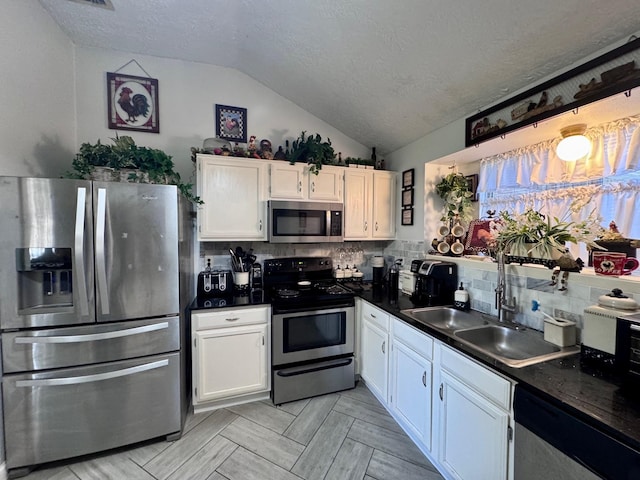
{"x": 188, "y": 93}
{"x": 37, "y": 94}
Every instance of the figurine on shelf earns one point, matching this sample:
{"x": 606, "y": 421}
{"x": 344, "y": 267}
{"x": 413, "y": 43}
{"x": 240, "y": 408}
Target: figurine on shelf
{"x": 265, "y": 149}
{"x": 251, "y": 148}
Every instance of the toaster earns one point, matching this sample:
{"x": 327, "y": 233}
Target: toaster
{"x": 215, "y": 283}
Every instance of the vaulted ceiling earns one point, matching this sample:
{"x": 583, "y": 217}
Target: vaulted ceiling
{"x": 383, "y": 72}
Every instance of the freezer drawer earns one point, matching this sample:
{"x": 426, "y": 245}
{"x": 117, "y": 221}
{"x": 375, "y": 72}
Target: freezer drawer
{"x": 66, "y": 347}
{"x": 69, "y": 412}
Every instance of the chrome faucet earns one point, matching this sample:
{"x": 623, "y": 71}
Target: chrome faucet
{"x": 505, "y": 309}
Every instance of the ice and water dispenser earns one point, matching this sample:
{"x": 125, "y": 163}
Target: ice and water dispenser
{"x": 44, "y": 278}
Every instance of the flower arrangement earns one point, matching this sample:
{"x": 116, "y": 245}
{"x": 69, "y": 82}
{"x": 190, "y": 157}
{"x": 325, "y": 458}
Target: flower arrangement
{"x": 532, "y": 234}
{"x": 454, "y": 190}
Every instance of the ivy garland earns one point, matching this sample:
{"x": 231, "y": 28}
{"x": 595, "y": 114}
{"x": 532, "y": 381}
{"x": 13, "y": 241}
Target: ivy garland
{"x": 454, "y": 190}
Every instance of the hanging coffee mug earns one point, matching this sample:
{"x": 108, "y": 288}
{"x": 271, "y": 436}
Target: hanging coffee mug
{"x": 457, "y": 230}
{"x": 443, "y": 231}
{"x": 613, "y": 264}
{"x": 443, "y": 247}
{"x": 457, "y": 248}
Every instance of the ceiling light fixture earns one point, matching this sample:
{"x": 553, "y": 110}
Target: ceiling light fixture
{"x": 574, "y": 144}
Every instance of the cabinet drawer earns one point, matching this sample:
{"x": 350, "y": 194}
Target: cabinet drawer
{"x": 376, "y": 316}
{"x": 229, "y": 317}
{"x": 478, "y": 377}
{"x": 418, "y": 341}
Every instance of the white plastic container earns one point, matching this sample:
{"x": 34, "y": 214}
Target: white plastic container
{"x": 560, "y": 332}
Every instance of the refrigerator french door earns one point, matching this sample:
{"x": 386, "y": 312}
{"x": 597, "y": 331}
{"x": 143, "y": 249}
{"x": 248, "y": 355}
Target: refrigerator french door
{"x": 90, "y": 316}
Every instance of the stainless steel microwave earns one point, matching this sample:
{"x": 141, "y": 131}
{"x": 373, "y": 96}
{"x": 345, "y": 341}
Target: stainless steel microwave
{"x": 305, "y": 222}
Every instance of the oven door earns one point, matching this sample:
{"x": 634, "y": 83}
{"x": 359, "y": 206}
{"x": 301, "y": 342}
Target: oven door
{"x": 312, "y": 335}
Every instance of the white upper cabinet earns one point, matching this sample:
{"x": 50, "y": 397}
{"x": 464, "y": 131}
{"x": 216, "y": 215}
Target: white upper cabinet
{"x": 288, "y": 182}
{"x": 295, "y": 182}
{"x": 369, "y": 204}
{"x": 234, "y": 201}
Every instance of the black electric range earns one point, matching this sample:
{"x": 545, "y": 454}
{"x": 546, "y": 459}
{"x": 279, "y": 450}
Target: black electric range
{"x": 307, "y": 283}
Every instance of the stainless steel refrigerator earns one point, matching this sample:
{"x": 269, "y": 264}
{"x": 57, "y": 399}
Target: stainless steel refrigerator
{"x": 95, "y": 280}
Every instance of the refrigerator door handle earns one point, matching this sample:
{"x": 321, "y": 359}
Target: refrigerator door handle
{"x": 52, "y": 382}
{"x": 79, "y": 251}
{"x": 101, "y": 267}
{"x": 94, "y": 336}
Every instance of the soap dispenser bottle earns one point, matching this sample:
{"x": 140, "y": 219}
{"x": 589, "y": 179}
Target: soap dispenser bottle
{"x": 461, "y": 299}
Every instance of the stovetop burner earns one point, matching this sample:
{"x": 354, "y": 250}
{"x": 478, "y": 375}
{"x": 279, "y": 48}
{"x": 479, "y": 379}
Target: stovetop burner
{"x": 287, "y": 293}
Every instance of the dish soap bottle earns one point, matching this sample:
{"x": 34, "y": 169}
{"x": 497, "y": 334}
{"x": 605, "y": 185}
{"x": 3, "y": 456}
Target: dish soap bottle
{"x": 461, "y": 299}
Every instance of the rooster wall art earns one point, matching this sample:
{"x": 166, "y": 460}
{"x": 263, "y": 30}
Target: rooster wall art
{"x": 133, "y": 103}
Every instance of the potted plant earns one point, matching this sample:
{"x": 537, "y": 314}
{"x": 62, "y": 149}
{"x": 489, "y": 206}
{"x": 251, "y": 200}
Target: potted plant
{"x": 125, "y": 161}
{"x": 534, "y": 235}
{"x": 454, "y": 190}
{"x": 313, "y": 150}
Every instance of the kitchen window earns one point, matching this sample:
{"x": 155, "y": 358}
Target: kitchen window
{"x": 607, "y": 181}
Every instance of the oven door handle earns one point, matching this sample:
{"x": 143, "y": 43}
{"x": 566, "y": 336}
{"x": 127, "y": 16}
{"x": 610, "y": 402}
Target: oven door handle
{"x": 292, "y": 372}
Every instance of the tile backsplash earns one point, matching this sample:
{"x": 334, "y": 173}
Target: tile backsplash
{"x": 262, "y": 250}
{"x": 525, "y": 283}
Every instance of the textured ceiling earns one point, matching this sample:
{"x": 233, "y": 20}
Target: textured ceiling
{"x": 383, "y": 72}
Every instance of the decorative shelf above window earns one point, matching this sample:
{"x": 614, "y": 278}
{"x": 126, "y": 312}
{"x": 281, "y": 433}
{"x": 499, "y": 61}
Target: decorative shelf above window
{"x": 611, "y": 73}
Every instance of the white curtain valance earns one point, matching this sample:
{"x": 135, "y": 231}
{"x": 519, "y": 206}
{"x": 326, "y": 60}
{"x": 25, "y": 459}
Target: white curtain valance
{"x": 615, "y": 151}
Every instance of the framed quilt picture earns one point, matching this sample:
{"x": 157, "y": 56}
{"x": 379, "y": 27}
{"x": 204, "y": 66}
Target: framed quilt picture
{"x": 133, "y": 103}
{"x": 231, "y": 123}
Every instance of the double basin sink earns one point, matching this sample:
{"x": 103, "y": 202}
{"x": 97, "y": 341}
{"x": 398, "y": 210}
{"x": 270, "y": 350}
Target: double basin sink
{"x": 510, "y": 344}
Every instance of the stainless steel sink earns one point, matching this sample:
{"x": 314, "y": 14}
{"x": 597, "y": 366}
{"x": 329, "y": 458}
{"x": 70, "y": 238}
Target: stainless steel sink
{"x": 515, "y": 347}
{"x": 446, "y": 318}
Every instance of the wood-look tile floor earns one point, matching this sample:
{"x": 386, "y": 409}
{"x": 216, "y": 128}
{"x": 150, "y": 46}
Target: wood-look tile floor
{"x": 340, "y": 436}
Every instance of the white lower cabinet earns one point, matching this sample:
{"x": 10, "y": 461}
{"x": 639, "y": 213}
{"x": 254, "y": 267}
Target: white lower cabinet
{"x": 474, "y": 419}
{"x": 456, "y": 410}
{"x": 411, "y": 381}
{"x": 374, "y": 348}
{"x": 231, "y": 351}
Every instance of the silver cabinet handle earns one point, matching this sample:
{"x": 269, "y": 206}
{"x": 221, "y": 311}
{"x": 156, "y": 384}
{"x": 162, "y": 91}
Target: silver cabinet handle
{"x": 78, "y": 252}
{"x": 376, "y": 226}
{"x": 233, "y": 319}
{"x": 383, "y": 346}
{"x": 366, "y": 225}
{"x": 372, "y": 315}
{"x": 52, "y": 382}
{"x": 260, "y": 225}
{"x": 101, "y": 257}
{"x": 94, "y": 336}
{"x": 300, "y": 186}
{"x": 313, "y": 186}
{"x": 424, "y": 378}
{"x": 441, "y": 392}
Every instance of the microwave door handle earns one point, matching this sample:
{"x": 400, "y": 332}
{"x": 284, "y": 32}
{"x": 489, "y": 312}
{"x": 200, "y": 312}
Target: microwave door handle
{"x": 78, "y": 251}
{"x": 101, "y": 267}
{"x": 328, "y": 222}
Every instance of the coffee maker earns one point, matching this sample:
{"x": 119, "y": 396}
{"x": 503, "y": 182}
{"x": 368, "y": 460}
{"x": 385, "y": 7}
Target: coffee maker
{"x": 436, "y": 283}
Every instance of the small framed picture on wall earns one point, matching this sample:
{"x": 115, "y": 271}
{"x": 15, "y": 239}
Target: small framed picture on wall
{"x": 407, "y": 197}
{"x": 408, "y": 179}
{"x": 407, "y": 216}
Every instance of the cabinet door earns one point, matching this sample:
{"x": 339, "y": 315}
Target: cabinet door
{"x": 473, "y": 433}
{"x": 357, "y": 195}
{"x": 375, "y": 359}
{"x": 287, "y": 182}
{"x": 233, "y": 195}
{"x": 411, "y": 382}
{"x": 384, "y": 205}
{"x": 327, "y": 185}
{"x": 230, "y": 361}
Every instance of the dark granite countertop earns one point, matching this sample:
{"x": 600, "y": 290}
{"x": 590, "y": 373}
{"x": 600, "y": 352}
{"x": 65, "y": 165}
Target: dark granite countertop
{"x": 598, "y": 398}
{"x": 595, "y": 397}
{"x": 254, "y": 297}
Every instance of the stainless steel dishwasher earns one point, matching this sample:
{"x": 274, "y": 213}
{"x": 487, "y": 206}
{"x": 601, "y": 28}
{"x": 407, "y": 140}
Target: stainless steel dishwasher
{"x": 552, "y": 444}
